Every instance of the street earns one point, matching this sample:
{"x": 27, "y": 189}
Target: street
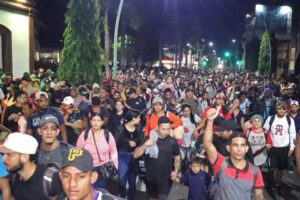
{"x": 290, "y": 190}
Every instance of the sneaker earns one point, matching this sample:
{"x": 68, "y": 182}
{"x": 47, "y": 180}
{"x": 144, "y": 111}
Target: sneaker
{"x": 290, "y": 169}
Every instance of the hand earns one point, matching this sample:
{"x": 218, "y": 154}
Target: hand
{"x": 213, "y": 113}
{"x": 174, "y": 175}
{"x": 298, "y": 169}
{"x": 186, "y": 130}
{"x": 268, "y": 146}
{"x": 150, "y": 142}
{"x": 171, "y": 133}
{"x": 132, "y": 144}
{"x": 290, "y": 152}
{"x": 13, "y": 116}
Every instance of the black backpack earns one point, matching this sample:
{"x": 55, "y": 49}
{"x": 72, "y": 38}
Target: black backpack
{"x": 106, "y": 134}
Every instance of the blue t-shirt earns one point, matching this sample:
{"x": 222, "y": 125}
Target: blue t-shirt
{"x": 34, "y": 118}
{"x": 197, "y": 184}
{"x": 3, "y": 172}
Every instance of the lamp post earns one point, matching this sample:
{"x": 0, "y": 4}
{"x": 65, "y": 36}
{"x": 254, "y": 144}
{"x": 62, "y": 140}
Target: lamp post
{"x": 116, "y": 39}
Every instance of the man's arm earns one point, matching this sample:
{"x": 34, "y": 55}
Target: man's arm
{"x": 176, "y": 167}
{"x": 5, "y": 189}
{"x": 211, "y": 150}
{"x": 259, "y": 193}
{"x": 297, "y": 154}
{"x": 139, "y": 151}
{"x": 63, "y": 132}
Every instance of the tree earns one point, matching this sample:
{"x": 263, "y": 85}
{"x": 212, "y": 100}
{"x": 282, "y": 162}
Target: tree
{"x": 81, "y": 55}
{"x": 264, "y": 54}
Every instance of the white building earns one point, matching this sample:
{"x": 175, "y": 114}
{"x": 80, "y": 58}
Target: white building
{"x": 17, "y": 36}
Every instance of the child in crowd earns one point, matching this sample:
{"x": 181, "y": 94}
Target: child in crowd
{"x": 197, "y": 179}
{"x": 259, "y": 139}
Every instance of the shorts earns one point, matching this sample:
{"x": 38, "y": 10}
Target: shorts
{"x": 158, "y": 191}
{"x": 278, "y": 157}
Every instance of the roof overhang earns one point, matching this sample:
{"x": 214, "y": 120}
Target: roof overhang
{"x": 20, "y": 6}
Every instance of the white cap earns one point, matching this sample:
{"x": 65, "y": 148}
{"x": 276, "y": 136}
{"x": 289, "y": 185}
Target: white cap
{"x": 294, "y": 102}
{"x": 68, "y": 101}
{"x": 96, "y": 85}
{"x": 19, "y": 143}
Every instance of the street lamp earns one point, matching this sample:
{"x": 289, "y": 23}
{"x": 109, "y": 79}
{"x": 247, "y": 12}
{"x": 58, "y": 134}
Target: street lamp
{"x": 116, "y": 38}
{"x": 285, "y": 10}
{"x": 211, "y": 44}
{"x": 259, "y": 8}
{"x": 248, "y": 16}
{"x": 233, "y": 40}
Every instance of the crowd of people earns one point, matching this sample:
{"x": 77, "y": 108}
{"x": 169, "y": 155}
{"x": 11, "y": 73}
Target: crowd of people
{"x": 224, "y": 135}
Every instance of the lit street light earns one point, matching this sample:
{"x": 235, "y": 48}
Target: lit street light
{"x": 233, "y": 40}
{"x": 211, "y": 44}
{"x": 259, "y": 8}
{"x": 248, "y": 16}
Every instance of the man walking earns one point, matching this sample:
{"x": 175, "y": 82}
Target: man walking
{"x": 237, "y": 177}
{"x": 160, "y": 149}
{"x": 33, "y": 121}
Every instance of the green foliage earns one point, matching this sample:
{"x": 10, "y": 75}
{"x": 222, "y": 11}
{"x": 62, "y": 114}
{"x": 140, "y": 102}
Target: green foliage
{"x": 264, "y": 54}
{"x": 81, "y": 55}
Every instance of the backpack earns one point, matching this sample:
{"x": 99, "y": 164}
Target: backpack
{"x": 106, "y": 134}
{"x": 273, "y": 118}
{"x": 51, "y": 172}
{"x": 214, "y": 186}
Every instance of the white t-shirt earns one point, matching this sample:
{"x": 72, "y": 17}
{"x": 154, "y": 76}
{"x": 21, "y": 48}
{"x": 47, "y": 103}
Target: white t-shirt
{"x": 186, "y": 122}
{"x": 245, "y": 105}
{"x": 282, "y": 134}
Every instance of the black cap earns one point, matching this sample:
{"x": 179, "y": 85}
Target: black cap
{"x": 79, "y": 158}
{"x": 96, "y": 101}
{"x": 228, "y": 125}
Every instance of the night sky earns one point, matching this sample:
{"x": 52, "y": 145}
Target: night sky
{"x": 221, "y": 20}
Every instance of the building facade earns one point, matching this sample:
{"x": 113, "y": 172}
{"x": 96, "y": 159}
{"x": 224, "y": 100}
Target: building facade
{"x": 17, "y": 39}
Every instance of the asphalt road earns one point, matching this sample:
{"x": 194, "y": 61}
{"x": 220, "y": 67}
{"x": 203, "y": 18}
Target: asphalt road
{"x": 290, "y": 190}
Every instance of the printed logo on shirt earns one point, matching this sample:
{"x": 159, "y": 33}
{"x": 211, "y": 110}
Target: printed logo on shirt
{"x": 279, "y": 129}
{"x": 36, "y": 121}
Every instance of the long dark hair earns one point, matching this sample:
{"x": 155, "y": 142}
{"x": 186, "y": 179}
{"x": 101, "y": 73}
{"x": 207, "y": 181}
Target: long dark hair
{"x": 130, "y": 114}
{"x": 192, "y": 116}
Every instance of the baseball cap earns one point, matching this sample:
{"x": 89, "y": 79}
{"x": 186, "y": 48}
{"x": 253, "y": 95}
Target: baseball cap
{"x": 294, "y": 102}
{"x": 228, "y": 125}
{"x": 157, "y": 100}
{"x": 257, "y": 117}
{"x": 281, "y": 104}
{"x": 19, "y": 143}
{"x": 33, "y": 77}
{"x": 96, "y": 85}
{"x": 39, "y": 95}
{"x": 68, "y": 101}
{"x": 79, "y": 158}
{"x": 49, "y": 118}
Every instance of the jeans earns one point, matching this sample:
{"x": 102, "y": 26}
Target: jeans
{"x": 126, "y": 173}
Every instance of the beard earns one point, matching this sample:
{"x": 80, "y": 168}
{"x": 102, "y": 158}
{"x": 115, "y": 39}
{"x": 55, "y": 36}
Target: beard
{"x": 16, "y": 168}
